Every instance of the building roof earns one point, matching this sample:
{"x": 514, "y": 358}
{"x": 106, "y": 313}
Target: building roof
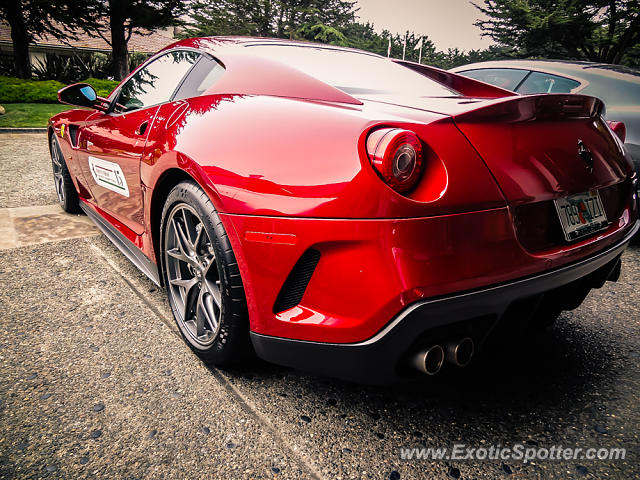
{"x": 150, "y": 43}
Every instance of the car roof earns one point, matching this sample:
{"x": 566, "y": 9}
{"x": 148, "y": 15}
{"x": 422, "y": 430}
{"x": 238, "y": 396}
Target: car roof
{"x": 575, "y": 69}
{"x": 229, "y": 44}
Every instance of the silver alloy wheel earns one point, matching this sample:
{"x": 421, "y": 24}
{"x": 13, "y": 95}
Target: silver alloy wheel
{"x": 192, "y": 273}
{"x": 58, "y": 174}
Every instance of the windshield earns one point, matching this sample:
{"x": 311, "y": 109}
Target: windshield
{"x": 353, "y": 72}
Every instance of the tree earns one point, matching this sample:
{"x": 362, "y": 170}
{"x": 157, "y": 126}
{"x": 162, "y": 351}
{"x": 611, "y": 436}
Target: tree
{"x": 325, "y": 21}
{"x": 596, "y": 30}
{"x": 28, "y": 19}
{"x": 295, "y": 19}
{"x": 124, "y": 17}
{"x": 363, "y": 37}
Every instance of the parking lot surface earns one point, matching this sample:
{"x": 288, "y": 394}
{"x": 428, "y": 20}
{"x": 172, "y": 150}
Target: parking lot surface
{"x": 95, "y": 381}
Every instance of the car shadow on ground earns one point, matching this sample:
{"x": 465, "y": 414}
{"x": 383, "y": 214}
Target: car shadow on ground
{"x": 564, "y": 363}
{"x": 553, "y": 375}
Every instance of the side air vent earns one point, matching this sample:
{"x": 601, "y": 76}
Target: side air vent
{"x": 73, "y": 134}
{"x": 296, "y": 283}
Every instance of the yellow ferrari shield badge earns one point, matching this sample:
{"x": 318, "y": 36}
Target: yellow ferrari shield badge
{"x": 62, "y": 130}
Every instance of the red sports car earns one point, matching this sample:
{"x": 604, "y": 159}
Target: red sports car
{"x": 344, "y": 213}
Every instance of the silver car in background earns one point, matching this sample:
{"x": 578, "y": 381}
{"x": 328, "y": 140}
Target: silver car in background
{"x": 617, "y": 86}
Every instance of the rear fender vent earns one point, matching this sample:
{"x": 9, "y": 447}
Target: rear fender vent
{"x": 296, "y": 283}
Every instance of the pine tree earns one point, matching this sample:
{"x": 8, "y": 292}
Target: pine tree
{"x": 597, "y": 30}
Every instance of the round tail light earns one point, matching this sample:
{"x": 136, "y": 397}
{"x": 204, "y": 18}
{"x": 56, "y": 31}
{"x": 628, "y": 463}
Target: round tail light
{"x": 396, "y": 155}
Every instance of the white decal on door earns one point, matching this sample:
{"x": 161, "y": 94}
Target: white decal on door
{"x": 108, "y": 175}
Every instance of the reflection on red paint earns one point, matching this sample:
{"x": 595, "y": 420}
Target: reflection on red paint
{"x": 274, "y": 238}
{"x": 284, "y": 162}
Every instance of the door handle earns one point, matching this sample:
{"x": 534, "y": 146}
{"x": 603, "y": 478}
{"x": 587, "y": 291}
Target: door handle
{"x": 142, "y": 128}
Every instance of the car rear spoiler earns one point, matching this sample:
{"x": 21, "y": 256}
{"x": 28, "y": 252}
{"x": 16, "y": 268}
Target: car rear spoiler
{"x": 546, "y": 106}
{"x": 465, "y": 85}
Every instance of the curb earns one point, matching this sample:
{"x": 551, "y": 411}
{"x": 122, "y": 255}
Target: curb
{"x": 23, "y": 130}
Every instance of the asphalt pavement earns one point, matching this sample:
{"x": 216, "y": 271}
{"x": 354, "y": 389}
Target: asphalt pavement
{"x": 95, "y": 381}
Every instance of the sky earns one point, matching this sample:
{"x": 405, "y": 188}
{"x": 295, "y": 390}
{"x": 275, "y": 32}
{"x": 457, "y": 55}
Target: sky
{"x": 447, "y": 23}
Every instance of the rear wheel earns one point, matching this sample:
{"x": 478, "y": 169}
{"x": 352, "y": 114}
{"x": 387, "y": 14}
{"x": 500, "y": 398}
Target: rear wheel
{"x": 202, "y": 277}
{"x": 65, "y": 189}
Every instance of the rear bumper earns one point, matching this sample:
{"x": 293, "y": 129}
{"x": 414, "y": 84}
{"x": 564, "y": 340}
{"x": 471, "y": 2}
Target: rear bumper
{"x": 380, "y": 358}
{"x": 370, "y": 270}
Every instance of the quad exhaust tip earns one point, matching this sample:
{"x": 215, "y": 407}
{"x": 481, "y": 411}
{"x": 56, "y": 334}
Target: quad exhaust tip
{"x": 460, "y": 352}
{"x": 429, "y": 360}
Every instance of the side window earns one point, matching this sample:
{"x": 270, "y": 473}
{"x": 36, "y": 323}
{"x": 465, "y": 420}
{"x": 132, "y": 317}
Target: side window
{"x": 156, "y": 82}
{"x": 507, "y": 78}
{"x": 200, "y": 78}
{"x": 539, "y": 82}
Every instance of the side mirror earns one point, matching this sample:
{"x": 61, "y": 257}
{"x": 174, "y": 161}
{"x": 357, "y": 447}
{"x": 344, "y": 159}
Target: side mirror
{"x": 81, "y": 95}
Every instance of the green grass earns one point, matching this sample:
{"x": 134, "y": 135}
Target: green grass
{"x": 30, "y": 114}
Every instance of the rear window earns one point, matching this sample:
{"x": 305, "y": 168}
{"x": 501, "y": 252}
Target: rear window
{"x": 205, "y": 73}
{"x": 539, "y": 82}
{"x": 352, "y": 72}
{"x": 508, "y": 78}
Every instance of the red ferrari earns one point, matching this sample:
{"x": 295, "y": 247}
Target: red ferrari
{"x": 344, "y": 213}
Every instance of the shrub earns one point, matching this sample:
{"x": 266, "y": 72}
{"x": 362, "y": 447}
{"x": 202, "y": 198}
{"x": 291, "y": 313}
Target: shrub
{"x": 17, "y": 90}
{"x": 7, "y": 66}
{"x": 71, "y": 68}
{"x": 97, "y": 65}
{"x": 135, "y": 59}
{"x": 63, "y": 68}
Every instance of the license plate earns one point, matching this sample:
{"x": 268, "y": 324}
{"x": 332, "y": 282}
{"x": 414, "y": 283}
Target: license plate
{"x": 581, "y": 214}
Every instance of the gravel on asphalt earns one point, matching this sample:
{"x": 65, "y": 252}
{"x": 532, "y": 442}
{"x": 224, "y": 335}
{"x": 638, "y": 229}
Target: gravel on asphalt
{"x": 95, "y": 382}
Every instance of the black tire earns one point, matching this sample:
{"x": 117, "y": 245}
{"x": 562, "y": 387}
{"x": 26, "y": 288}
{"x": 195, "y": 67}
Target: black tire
{"x": 65, "y": 189}
{"x": 187, "y": 256}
